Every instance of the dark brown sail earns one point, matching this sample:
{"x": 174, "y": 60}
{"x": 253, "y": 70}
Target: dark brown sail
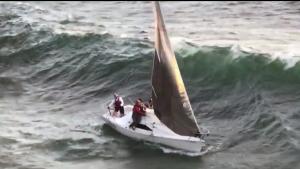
{"x": 170, "y": 100}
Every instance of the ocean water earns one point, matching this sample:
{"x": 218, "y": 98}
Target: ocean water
{"x": 60, "y": 62}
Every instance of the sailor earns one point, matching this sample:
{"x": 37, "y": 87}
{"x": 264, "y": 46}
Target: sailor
{"x": 118, "y": 105}
{"x": 138, "y": 111}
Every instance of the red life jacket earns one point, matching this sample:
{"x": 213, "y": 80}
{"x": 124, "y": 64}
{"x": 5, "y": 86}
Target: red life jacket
{"x": 138, "y": 109}
{"x": 117, "y": 102}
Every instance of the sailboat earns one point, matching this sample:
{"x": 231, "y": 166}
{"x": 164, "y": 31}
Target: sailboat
{"x": 171, "y": 122}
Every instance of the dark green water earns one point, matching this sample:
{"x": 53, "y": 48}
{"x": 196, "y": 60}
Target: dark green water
{"x": 54, "y": 87}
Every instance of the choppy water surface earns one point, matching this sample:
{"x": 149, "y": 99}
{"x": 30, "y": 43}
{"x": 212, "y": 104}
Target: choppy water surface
{"x": 61, "y": 61}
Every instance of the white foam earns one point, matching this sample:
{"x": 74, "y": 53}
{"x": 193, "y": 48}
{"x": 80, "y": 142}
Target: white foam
{"x": 290, "y": 57}
{"x": 182, "y": 152}
{"x": 287, "y": 53}
{"x": 124, "y": 35}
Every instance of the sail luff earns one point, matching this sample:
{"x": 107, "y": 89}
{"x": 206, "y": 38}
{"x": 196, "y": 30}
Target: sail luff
{"x": 170, "y": 100}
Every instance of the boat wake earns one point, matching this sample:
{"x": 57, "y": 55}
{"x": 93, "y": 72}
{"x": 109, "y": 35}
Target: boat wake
{"x": 168, "y": 150}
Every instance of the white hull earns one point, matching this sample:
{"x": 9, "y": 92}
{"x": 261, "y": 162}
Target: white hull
{"x": 160, "y": 133}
